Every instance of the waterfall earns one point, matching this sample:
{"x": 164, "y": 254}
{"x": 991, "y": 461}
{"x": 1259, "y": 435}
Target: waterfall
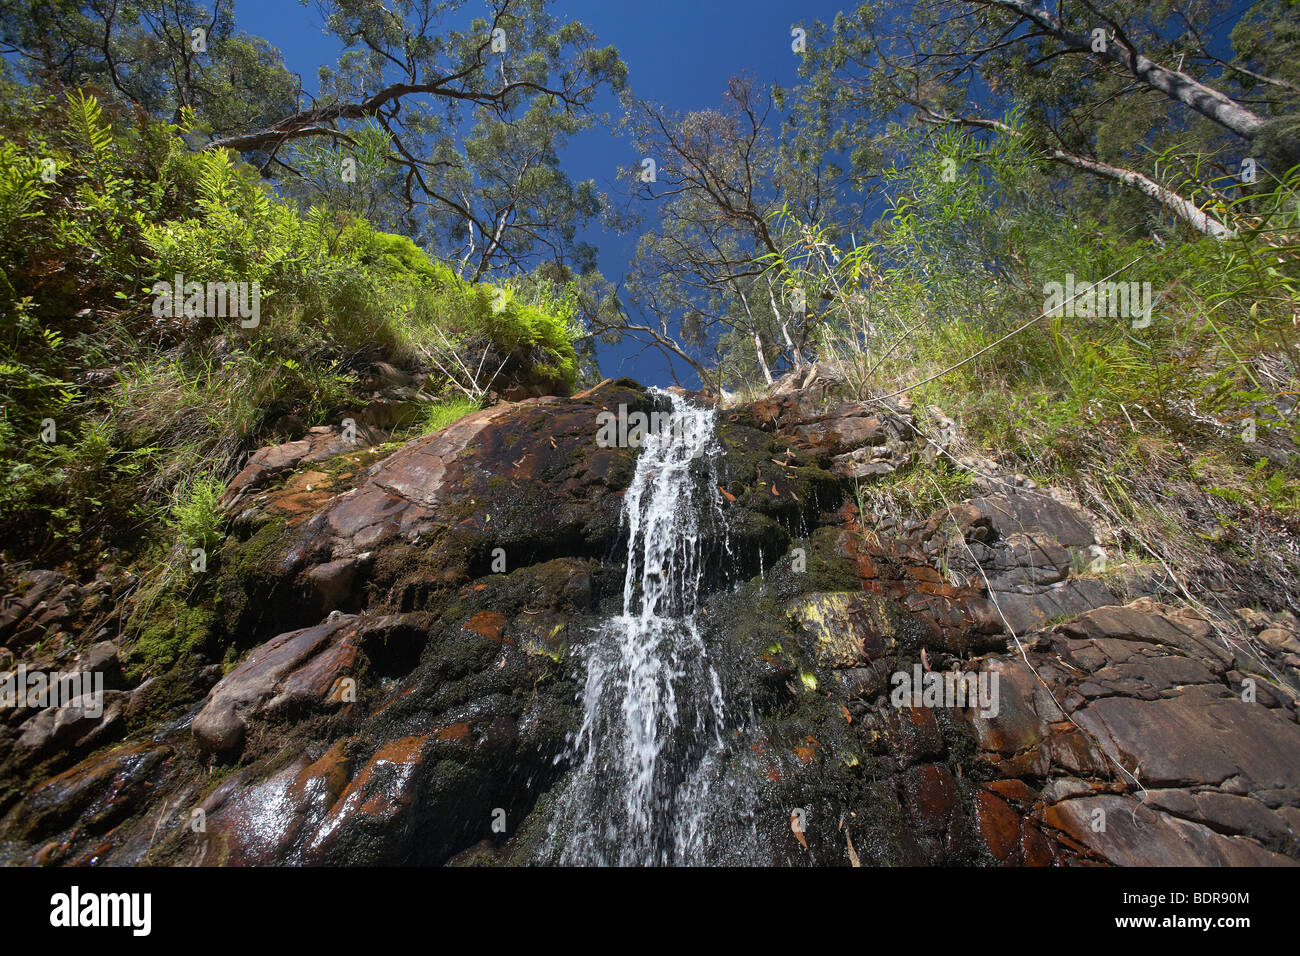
{"x": 652, "y": 732}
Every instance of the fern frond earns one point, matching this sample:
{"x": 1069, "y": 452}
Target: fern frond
{"x": 88, "y": 124}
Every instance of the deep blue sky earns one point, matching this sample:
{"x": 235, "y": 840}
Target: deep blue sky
{"x": 678, "y": 52}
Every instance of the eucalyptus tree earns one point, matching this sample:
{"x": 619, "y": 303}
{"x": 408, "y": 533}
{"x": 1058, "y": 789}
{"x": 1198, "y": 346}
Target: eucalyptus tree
{"x": 1132, "y": 94}
{"x": 476, "y": 112}
{"x": 473, "y": 110}
{"x": 708, "y": 187}
{"x": 162, "y": 55}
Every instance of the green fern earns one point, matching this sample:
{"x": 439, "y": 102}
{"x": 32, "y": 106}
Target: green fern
{"x": 88, "y": 126}
{"x": 21, "y": 189}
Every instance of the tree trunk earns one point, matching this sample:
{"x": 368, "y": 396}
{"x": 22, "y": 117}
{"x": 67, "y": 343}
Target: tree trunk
{"x": 1180, "y": 206}
{"x": 1175, "y": 84}
{"x": 758, "y": 340}
{"x": 1183, "y": 208}
{"x": 762, "y": 362}
{"x": 795, "y": 355}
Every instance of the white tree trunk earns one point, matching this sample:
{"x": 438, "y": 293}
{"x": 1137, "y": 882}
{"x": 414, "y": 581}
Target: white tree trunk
{"x": 1175, "y": 84}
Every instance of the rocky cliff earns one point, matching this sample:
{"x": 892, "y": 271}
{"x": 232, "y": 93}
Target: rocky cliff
{"x": 382, "y": 663}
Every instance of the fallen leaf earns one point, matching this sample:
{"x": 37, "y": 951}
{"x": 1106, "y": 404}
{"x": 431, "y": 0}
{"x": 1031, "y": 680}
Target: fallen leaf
{"x": 925, "y": 661}
{"x": 853, "y": 854}
{"x": 775, "y": 492}
{"x": 807, "y": 750}
{"x": 726, "y": 494}
{"x": 797, "y": 829}
{"x": 847, "y": 715}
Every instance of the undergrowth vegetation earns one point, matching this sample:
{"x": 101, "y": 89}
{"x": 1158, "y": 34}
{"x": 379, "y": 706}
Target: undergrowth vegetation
{"x": 121, "y": 417}
{"x": 1179, "y": 426}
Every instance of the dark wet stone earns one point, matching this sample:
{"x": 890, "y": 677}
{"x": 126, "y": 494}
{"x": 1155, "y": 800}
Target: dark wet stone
{"x": 396, "y": 736}
{"x": 98, "y": 791}
{"x": 298, "y": 664}
{"x": 1120, "y": 830}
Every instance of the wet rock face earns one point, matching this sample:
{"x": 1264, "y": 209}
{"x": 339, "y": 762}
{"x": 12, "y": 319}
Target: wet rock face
{"x": 409, "y": 618}
{"x": 1133, "y": 707}
{"x": 402, "y": 632}
{"x": 528, "y": 477}
{"x": 301, "y": 668}
{"x": 508, "y": 486}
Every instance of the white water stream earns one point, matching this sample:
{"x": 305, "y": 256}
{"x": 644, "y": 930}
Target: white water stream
{"x": 652, "y": 730}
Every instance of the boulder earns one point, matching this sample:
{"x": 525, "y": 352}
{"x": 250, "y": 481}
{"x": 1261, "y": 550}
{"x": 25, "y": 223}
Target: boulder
{"x": 298, "y": 665}
{"x": 319, "y": 444}
{"x": 80, "y": 723}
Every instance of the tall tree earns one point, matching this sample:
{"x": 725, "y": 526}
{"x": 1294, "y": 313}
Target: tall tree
{"x": 713, "y": 182}
{"x": 1102, "y": 88}
{"x": 474, "y": 110}
{"x": 163, "y": 55}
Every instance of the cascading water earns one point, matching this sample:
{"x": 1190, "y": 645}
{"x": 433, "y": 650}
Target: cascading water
{"x": 652, "y": 732}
